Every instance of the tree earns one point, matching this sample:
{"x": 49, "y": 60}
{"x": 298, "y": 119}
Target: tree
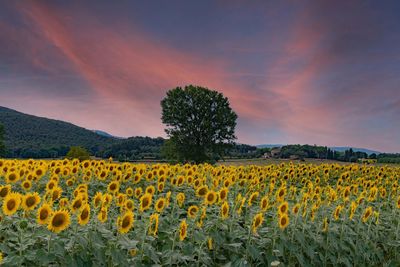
{"x": 199, "y": 122}
{"x": 77, "y": 152}
{"x": 2, "y": 146}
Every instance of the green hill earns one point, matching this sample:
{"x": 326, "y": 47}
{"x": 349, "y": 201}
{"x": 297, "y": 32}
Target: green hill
{"x": 30, "y": 136}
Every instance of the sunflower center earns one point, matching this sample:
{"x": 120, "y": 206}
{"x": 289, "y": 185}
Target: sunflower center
{"x": 58, "y": 220}
{"x": 11, "y": 204}
{"x": 84, "y": 214}
{"x": 125, "y": 222}
{"x": 43, "y": 214}
{"x": 30, "y": 201}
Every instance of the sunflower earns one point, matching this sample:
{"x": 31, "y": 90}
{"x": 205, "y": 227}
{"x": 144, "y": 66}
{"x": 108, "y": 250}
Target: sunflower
{"x": 239, "y": 210}
{"x": 76, "y": 204}
{"x": 129, "y": 205}
{"x": 113, "y": 187}
{"x": 97, "y": 199}
{"x": 103, "y": 214}
{"x": 367, "y": 214}
{"x": 283, "y": 221}
{"x": 121, "y": 199}
{"x": 153, "y": 224}
{"x": 160, "y": 204}
{"x": 138, "y": 192}
{"x": 264, "y": 203}
{"x": 145, "y": 202}
{"x": 183, "y": 230}
{"x": 211, "y": 197}
{"x": 64, "y": 203}
{"x": 12, "y": 177}
{"x": 223, "y": 194}
{"x": 4, "y": 190}
{"x": 11, "y": 203}
{"x": 180, "y": 199}
{"x": 180, "y": 180}
{"x": 56, "y": 193}
{"x": 252, "y": 198}
{"x": 192, "y": 211}
{"x": 225, "y": 210}
{"x": 150, "y": 190}
{"x": 257, "y": 221}
{"x": 125, "y": 222}
{"x": 202, "y": 191}
{"x": 280, "y": 194}
{"x": 296, "y": 208}
{"x": 107, "y": 199}
{"x": 26, "y": 185}
{"x": 129, "y": 191}
{"x": 84, "y": 215}
{"x": 283, "y": 208}
{"x": 30, "y": 201}
{"x": 160, "y": 187}
{"x": 336, "y": 212}
{"x": 59, "y": 221}
{"x": 44, "y": 213}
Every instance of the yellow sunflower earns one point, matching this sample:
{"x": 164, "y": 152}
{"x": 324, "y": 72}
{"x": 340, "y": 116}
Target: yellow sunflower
{"x": 59, "y": 221}
{"x": 283, "y": 221}
{"x": 125, "y": 222}
{"x": 257, "y": 221}
{"x": 283, "y": 208}
{"x": 84, "y": 215}
{"x": 225, "y": 210}
{"x": 153, "y": 224}
{"x": 44, "y": 213}
{"x": 211, "y": 197}
{"x": 183, "y": 230}
{"x": 11, "y": 203}
{"x": 4, "y": 190}
{"x": 145, "y": 202}
{"x": 160, "y": 204}
{"x": 180, "y": 199}
{"x": 30, "y": 201}
{"x": 103, "y": 214}
{"x": 192, "y": 211}
{"x": 367, "y": 214}
{"x": 97, "y": 199}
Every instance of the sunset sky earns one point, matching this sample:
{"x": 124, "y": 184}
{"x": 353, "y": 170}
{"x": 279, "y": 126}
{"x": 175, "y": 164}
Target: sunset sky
{"x": 316, "y": 72}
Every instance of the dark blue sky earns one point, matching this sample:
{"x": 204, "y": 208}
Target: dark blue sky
{"x": 317, "y": 72}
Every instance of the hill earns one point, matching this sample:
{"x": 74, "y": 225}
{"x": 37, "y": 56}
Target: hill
{"x": 29, "y": 136}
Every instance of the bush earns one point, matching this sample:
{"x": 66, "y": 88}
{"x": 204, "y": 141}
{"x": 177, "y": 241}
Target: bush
{"x": 77, "y": 152}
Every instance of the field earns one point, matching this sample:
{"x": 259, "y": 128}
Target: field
{"x": 101, "y": 213}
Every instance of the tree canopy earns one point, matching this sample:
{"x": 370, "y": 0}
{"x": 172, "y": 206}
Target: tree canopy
{"x": 77, "y": 152}
{"x": 199, "y": 122}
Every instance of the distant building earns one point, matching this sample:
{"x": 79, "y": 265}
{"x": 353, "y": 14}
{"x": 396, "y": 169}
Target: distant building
{"x": 275, "y": 152}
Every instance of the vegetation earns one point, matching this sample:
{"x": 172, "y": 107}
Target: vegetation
{"x": 200, "y": 123}
{"x": 99, "y": 213}
{"x": 77, "y": 152}
{"x": 29, "y": 136}
{"x": 388, "y": 158}
{"x": 2, "y": 146}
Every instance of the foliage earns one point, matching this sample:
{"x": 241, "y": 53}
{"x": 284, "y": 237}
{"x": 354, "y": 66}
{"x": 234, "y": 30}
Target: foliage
{"x": 2, "y": 146}
{"x": 296, "y": 215}
{"x": 29, "y": 136}
{"x": 389, "y": 158}
{"x": 77, "y": 152}
{"x": 199, "y": 121}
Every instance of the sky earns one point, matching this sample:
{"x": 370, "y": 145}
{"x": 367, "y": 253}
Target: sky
{"x": 296, "y": 72}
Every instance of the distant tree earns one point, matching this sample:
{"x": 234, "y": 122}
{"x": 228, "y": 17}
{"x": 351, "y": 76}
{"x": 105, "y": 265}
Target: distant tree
{"x": 77, "y": 152}
{"x": 200, "y": 123}
{"x": 2, "y": 146}
{"x": 372, "y": 156}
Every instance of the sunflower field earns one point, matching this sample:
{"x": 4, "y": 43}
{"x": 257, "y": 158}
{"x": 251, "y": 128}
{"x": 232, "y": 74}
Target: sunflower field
{"x": 100, "y": 213}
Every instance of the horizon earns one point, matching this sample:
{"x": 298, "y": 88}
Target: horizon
{"x": 295, "y": 73}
